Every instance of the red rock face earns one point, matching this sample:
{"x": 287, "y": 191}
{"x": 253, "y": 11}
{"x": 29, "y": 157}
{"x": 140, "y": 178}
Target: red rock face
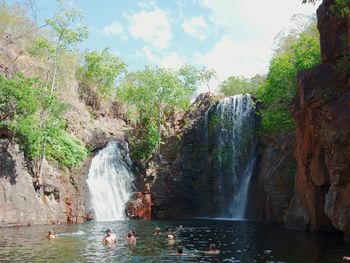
{"x": 322, "y": 114}
{"x": 140, "y": 206}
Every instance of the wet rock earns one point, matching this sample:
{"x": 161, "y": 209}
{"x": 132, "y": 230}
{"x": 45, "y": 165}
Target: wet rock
{"x": 140, "y": 206}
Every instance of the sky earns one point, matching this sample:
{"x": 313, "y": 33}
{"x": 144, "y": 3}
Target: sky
{"x": 233, "y": 37}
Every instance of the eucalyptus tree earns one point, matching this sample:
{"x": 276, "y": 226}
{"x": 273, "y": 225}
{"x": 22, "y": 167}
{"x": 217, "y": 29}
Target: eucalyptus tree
{"x": 206, "y": 75}
{"x": 66, "y": 34}
{"x": 155, "y": 93}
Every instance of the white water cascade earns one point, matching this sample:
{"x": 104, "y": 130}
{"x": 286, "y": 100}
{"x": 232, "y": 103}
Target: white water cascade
{"x": 110, "y": 182}
{"x": 231, "y": 138}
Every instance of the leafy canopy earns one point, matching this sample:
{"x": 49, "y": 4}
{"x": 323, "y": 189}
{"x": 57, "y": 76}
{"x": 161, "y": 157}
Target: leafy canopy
{"x": 100, "y": 71}
{"x": 297, "y": 51}
{"x": 154, "y": 94}
{"x": 23, "y": 104}
{"x": 240, "y": 85}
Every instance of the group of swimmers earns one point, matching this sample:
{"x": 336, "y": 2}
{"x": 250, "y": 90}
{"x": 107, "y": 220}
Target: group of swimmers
{"x": 111, "y": 239}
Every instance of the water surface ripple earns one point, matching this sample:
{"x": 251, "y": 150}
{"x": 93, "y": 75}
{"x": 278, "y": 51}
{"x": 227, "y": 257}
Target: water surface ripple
{"x": 238, "y": 241}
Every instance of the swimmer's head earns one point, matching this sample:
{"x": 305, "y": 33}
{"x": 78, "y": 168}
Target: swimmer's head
{"x": 157, "y": 229}
{"x": 212, "y": 247}
{"x": 108, "y": 232}
{"x": 180, "y": 250}
{"x": 129, "y": 234}
{"x": 50, "y": 232}
{"x": 170, "y": 237}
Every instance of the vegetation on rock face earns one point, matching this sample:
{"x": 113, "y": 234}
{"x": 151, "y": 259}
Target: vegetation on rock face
{"x": 97, "y": 77}
{"x": 30, "y": 107}
{"x": 153, "y": 94}
{"x": 34, "y": 112}
{"x": 297, "y": 51}
{"x": 241, "y": 85}
{"x": 24, "y": 102}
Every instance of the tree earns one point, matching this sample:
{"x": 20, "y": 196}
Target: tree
{"x": 67, "y": 34}
{"x": 206, "y": 75}
{"x": 98, "y": 75}
{"x": 22, "y": 101}
{"x": 296, "y": 52}
{"x": 156, "y": 93}
{"x": 241, "y": 85}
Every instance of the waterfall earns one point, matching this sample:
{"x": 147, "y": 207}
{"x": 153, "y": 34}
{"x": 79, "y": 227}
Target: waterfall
{"x": 110, "y": 182}
{"x": 230, "y": 136}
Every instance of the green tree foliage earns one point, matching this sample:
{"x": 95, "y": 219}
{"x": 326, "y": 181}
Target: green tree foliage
{"x": 296, "y": 52}
{"x": 98, "y": 75}
{"x": 155, "y": 93}
{"x": 30, "y": 107}
{"x": 23, "y": 102}
{"x": 205, "y": 76}
{"x": 241, "y": 85}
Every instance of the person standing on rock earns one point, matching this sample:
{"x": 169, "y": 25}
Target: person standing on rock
{"x": 37, "y": 185}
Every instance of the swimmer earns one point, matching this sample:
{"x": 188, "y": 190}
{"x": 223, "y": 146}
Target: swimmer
{"x": 346, "y": 258}
{"x": 157, "y": 233}
{"x": 110, "y": 238}
{"x": 213, "y": 250}
{"x": 131, "y": 238}
{"x": 171, "y": 240}
{"x": 180, "y": 252}
{"x": 50, "y": 235}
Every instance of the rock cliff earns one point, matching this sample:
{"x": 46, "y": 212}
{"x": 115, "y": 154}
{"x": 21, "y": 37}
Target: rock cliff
{"x": 272, "y": 186}
{"x": 181, "y": 165}
{"x": 321, "y": 112}
{"x": 60, "y": 199}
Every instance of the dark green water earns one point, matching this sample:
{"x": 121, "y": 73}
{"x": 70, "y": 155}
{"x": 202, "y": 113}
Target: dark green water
{"x": 238, "y": 242}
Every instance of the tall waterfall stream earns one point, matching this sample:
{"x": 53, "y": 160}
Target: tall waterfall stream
{"x": 230, "y": 136}
{"x": 110, "y": 182}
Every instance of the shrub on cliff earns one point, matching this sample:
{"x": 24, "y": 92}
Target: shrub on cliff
{"x": 24, "y": 103}
{"x": 97, "y": 77}
{"x": 152, "y": 95}
{"x": 235, "y": 85}
{"x": 297, "y": 51}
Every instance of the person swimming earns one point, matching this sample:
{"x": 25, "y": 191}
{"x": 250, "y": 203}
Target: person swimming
{"x": 213, "y": 250}
{"x": 110, "y": 238}
{"x": 180, "y": 252}
{"x": 171, "y": 240}
{"x": 157, "y": 233}
{"x": 131, "y": 238}
{"x": 51, "y": 235}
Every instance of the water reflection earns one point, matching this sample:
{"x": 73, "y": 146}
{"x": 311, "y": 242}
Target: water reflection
{"x": 237, "y": 241}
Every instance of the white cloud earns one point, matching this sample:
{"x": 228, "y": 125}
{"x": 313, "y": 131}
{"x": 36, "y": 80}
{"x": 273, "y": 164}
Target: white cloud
{"x": 169, "y": 61}
{"x": 229, "y": 57}
{"x": 267, "y": 17}
{"x": 255, "y": 23}
{"x": 196, "y": 27}
{"x": 152, "y": 27}
{"x": 271, "y": 25}
{"x": 113, "y": 29}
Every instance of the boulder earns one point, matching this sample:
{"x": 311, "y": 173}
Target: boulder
{"x": 139, "y": 206}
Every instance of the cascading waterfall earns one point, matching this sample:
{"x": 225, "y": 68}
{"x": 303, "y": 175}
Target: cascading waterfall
{"x": 110, "y": 182}
{"x": 231, "y": 140}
